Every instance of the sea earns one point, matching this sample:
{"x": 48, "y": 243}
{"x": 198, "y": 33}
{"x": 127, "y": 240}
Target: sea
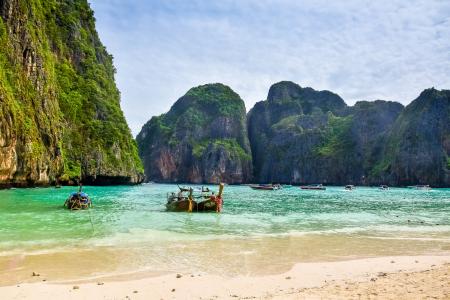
{"x": 128, "y": 231}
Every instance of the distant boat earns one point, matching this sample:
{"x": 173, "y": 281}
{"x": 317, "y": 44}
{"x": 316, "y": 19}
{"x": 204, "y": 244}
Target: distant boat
{"x": 265, "y": 187}
{"x": 421, "y": 187}
{"x": 313, "y": 187}
{"x": 349, "y": 187}
{"x": 383, "y": 187}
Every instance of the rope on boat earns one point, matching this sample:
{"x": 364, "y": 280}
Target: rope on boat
{"x": 90, "y": 219}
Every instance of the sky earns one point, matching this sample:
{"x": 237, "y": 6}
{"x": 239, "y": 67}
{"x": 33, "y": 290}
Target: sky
{"x": 361, "y": 50}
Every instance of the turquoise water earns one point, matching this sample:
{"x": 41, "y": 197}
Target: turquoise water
{"x": 34, "y": 218}
{"x": 296, "y": 223}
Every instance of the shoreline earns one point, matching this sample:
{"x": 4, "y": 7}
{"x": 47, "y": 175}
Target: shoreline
{"x": 9, "y": 186}
{"x": 380, "y": 277}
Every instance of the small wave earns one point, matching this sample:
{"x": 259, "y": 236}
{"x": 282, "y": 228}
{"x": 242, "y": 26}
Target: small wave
{"x": 424, "y": 239}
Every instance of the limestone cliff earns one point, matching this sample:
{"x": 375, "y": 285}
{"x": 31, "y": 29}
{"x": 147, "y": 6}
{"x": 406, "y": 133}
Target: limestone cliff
{"x": 59, "y": 106}
{"x": 418, "y": 147}
{"x": 202, "y": 139}
{"x": 299, "y": 135}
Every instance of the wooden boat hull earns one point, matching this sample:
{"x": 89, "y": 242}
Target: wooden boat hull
{"x": 266, "y": 187}
{"x": 180, "y": 206}
{"x": 263, "y": 188}
{"x": 209, "y": 205}
{"x": 313, "y": 188}
{"x": 77, "y": 204}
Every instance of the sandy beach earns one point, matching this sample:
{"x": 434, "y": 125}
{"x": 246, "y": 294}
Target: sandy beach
{"x": 394, "y": 277}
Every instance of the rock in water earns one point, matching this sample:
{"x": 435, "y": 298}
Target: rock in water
{"x": 202, "y": 139}
{"x": 59, "y": 105}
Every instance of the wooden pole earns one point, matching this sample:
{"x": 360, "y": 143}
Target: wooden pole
{"x": 220, "y": 190}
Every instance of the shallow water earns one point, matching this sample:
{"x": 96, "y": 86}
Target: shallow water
{"x": 258, "y": 232}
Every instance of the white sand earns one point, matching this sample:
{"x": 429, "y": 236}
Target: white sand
{"x": 361, "y": 278}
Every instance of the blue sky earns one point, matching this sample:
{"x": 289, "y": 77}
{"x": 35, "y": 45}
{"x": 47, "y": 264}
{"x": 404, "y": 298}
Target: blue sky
{"x": 362, "y": 50}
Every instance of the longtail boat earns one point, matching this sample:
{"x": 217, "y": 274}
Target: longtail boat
{"x": 265, "y": 187}
{"x": 317, "y": 187}
{"x": 420, "y": 187}
{"x": 192, "y": 200}
{"x": 78, "y": 200}
{"x": 349, "y": 187}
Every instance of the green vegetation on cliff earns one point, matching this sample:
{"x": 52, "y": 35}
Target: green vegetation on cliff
{"x": 337, "y": 140}
{"x": 199, "y": 107}
{"x": 229, "y": 145}
{"x": 218, "y": 99}
{"x": 57, "y": 85}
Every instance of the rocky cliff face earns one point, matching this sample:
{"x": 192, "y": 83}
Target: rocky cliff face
{"x": 370, "y": 124}
{"x": 284, "y": 129}
{"x": 418, "y": 147}
{"x": 59, "y": 106}
{"x": 202, "y": 139}
{"x": 300, "y": 135}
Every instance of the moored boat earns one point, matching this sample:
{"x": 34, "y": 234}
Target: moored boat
{"x": 349, "y": 187}
{"x": 191, "y": 200}
{"x": 78, "y": 200}
{"x": 317, "y": 187}
{"x": 421, "y": 187}
{"x": 265, "y": 187}
{"x": 383, "y": 187}
{"x": 211, "y": 202}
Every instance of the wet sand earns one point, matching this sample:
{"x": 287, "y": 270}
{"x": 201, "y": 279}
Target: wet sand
{"x": 226, "y": 257}
{"x": 396, "y": 277}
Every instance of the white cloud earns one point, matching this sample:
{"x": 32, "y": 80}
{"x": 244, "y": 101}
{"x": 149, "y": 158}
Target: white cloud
{"x": 359, "y": 49}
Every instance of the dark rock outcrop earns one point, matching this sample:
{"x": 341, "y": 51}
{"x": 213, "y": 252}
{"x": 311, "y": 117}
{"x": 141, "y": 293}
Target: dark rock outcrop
{"x": 370, "y": 125}
{"x": 299, "y": 135}
{"x": 202, "y": 139}
{"x": 418, "y": 146}
{"x": 60, "y": 116}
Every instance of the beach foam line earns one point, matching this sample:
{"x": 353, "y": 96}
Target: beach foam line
{"x": 139, "y": 236}
{"x": 425, "y": 239}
